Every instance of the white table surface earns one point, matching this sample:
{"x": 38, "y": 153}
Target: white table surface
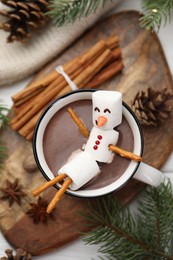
{"x": 78, "y": 250}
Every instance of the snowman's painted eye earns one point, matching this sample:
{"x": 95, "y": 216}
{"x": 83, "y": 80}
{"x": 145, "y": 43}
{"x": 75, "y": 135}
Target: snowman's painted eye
{"x": 107, "y": 110}
{"x": 97, "y": 109}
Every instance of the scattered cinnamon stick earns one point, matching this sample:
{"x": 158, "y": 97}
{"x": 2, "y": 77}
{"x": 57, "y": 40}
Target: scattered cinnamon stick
{"x": 78, "y": 122}
{"x": 58, "y": 195}
{"x": 48, "y": 184}
{"x": 124, "y": 153}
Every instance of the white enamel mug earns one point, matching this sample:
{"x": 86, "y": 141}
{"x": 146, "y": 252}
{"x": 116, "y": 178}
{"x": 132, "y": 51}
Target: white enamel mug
{"x": 137, "y": 170}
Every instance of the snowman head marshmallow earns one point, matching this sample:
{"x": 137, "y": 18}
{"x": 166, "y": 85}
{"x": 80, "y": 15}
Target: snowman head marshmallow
{"x": 107, "y": 109}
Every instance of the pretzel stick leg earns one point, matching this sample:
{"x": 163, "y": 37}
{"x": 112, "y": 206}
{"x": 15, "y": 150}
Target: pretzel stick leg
{"x": 83, "y": 129}
{"x": 124, "y": 153}
{"x": 58, "y": 195}
{"x": 49, "y": 184}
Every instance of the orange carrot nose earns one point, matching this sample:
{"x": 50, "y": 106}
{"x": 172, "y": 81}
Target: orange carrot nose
{"x": 101, "y": 121}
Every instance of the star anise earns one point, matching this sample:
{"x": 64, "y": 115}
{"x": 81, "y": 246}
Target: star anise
{"x": 12, "y": 192}
{"x": 38, "y": 211}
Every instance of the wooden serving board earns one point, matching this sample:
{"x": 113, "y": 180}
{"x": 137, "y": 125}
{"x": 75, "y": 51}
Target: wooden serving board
{"x": 145, "y": 66}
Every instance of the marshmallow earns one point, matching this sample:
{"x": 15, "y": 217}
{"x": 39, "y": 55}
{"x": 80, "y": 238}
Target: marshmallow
{"x": 98, "y": 142}
{"x": 81, "y": 169}
{"x": 107, "y": 104}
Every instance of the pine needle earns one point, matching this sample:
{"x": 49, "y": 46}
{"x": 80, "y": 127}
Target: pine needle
{"x": 123, "y": 235}
{"x": 4, "y": 120}
{"x": 68, "y": 11}
{"x": 156, "y": 12}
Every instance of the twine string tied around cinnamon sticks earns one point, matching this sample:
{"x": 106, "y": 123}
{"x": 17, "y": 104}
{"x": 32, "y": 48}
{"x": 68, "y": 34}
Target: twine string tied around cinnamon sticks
{"x": 61, "y": 71}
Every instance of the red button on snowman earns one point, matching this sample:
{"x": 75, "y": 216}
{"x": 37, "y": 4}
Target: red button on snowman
{"x": 81, "y": 168}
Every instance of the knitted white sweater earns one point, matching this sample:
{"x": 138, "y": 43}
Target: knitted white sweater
{"x": 18, "y": 60}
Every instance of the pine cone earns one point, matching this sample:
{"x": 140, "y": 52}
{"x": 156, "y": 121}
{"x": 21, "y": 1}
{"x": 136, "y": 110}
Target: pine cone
{"x": 23, "y": 16}
{"x": 151, "y": 107}
{"x": 20, "y": 254}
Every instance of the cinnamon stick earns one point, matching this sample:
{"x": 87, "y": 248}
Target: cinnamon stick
{"x": 104, "y": 75}
{"x": 38, "y": 86}
{"x": 107, "y": 73}
{"x": 35, "y": 87}
{"x": 124, "y": 153}
{"x": 48, "y": 184}
{"x": 58, "y": 195}
{"x": 79, "y": 80}
{"x": 80, "y": 73}
{"x": 69, "y": 68}
{"x": 101, "y": 77}
{"x": 30, "y": 136}
{"x": 90, "y": 71}
{"x": 93, "y": 68}
{"x": 81, "y": 70}
{"x": 112, "y": 41}
{"x": 59, "y": 83}
{"x": 116, "y": 53}
{"x": 31, "y": 94}
{"x": 29, "y": 126}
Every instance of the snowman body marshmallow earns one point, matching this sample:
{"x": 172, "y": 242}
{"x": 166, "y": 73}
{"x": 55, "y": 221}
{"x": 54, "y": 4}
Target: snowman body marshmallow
{"x": 106, "y": 115}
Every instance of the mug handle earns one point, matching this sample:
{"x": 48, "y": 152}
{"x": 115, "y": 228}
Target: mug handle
{"x": 148, "y": 174}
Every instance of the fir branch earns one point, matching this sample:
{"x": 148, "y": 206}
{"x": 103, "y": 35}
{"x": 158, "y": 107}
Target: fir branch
{"x": 156, "y": 12}
{"x": 68, "y": 11}
{"x": 146, "y": 235}
{"x": 4, "y": 120}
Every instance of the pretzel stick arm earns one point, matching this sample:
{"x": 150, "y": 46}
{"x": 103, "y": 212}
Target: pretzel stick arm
{"x": 49, "y": 184}
{"x": 83, "y": 129}
{"x": 124, "y": 153}
{"x": 58, "y": 195}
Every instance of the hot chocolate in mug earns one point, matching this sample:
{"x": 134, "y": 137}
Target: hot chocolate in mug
{"x": 56, "y": 137}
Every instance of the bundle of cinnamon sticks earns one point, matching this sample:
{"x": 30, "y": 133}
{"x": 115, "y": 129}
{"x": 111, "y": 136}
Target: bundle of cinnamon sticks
{"x": 88, "y": 70}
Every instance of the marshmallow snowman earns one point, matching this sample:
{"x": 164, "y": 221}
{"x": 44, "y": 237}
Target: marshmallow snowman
{"x": 106, "y": 115}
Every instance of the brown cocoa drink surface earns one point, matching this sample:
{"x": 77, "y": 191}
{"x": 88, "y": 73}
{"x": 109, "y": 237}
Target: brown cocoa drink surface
{"x": 62, "y": 137}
